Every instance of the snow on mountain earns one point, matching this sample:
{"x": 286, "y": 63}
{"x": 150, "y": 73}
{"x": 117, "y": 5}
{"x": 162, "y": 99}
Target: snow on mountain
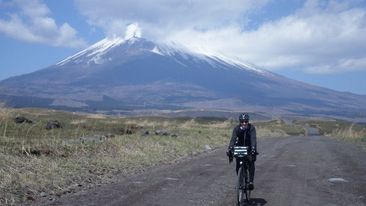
{"x": 94, "y": 52}
{"x": 156, "y": 50}
{"x": 99, "y": 52}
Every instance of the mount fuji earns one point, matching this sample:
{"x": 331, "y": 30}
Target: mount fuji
{"x": 124, "y": 74}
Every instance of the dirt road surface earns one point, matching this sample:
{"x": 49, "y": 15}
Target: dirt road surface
{"x": 290, "y": 171}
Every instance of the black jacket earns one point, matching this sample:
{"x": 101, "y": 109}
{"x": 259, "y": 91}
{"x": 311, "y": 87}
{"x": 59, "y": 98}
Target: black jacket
{"x": 244, "y": 137}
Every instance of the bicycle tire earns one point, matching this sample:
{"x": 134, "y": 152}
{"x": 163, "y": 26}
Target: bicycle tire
{"x": 240, "y": 187}
{"x": 247, "y": 191}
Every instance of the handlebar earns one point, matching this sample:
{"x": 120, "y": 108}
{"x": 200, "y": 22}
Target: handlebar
{"x": 240, "y": 151}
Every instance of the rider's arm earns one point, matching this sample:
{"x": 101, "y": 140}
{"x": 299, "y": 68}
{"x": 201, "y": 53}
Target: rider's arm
{"x": 233, "y": 139}
{"x": 253, "y": 136}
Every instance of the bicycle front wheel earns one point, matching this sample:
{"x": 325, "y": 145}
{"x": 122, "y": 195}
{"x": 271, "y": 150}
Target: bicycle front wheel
{"x": 240, "y": 187}
{"x": 247, "y": 191}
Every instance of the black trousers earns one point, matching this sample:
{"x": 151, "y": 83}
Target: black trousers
{"x": 251, "y": 169}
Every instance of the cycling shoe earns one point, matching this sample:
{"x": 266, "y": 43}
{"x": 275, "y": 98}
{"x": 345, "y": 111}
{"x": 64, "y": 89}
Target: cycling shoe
{"x": 251, "y": 186}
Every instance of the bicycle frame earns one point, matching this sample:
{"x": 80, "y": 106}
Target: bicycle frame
{"x": 241, "y": 154}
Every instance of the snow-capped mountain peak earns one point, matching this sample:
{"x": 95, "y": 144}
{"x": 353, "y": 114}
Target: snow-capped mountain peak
{"x": 112, "y": 48}
{"x": 94, "y": 53}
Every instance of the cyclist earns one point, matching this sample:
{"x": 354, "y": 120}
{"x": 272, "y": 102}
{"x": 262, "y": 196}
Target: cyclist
{"x": 244, "y": 134}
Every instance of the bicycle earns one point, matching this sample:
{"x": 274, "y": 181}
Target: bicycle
{"x": 242, "y": 187}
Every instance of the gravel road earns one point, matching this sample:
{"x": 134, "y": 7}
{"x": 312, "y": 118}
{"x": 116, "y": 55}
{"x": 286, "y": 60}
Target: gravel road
{"x": 311, "y": 170}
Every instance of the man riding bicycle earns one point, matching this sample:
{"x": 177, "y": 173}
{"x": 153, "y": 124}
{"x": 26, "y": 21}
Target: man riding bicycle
{"x": 244, "y": 134}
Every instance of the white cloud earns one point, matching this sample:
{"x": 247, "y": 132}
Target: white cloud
{"x": 321, "y": 37}
{"x": 133, "y": 30}
{"x": 32, "y": 23}
{"x": 164, "y": 15}
{"x": 342, "y": 65}
{"x": 307, "y": 42}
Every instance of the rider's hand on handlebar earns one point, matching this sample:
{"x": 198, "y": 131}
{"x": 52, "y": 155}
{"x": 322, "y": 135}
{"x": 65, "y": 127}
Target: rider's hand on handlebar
{"x": 253, "y": 151}
{"x": 229, "y": 153}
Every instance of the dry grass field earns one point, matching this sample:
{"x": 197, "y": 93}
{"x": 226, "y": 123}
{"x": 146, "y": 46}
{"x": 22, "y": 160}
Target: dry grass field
{"x": 91, "y": 149}
{"x": 343, "y": 130}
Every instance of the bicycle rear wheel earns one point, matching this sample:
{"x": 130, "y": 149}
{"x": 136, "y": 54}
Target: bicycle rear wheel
{"x": 240, "y": 187}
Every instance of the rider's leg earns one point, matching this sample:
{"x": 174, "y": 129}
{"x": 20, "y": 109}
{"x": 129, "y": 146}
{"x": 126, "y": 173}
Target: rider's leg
{"x": 251, "y": 171}
{"x": 251, "y": 175}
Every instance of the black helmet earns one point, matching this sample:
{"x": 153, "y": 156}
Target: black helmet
{"x": 243, "y": 117}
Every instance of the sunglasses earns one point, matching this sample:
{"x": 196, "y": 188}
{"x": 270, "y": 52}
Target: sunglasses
{"x": 244, "y": 121}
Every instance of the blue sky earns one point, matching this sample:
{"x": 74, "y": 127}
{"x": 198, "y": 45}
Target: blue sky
{"x": 318, "y": 42}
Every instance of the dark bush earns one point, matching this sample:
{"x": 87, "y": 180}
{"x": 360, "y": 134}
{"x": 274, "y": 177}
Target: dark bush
{"x": 21, "y": 119}
{"x": 53, "y": 124}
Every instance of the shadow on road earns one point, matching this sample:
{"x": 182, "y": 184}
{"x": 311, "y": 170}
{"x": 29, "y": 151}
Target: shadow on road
{"x": 255, "y": 202}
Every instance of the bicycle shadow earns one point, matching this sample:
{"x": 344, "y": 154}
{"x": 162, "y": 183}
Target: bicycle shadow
{"x": 255, "y": 202}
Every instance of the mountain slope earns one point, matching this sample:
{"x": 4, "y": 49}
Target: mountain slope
{"x": 124, "y": 74}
